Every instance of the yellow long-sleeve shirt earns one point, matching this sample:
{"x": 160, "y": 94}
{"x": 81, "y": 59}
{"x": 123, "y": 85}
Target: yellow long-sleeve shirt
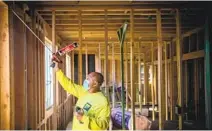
{"x": 95, "y": 105}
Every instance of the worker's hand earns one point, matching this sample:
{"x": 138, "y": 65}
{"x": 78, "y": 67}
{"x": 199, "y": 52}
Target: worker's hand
{"x": 58, "y": 66}
{"x": 79, "y": 116}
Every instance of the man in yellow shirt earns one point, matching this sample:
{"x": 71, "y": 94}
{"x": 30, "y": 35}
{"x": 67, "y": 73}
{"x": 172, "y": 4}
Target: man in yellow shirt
{"x": 94, "y": 105}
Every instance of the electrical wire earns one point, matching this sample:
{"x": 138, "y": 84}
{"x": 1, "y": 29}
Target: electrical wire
{"x": 31, "y": 31}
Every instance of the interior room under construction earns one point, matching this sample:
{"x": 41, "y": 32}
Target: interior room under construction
{"x": 155, "y": 58}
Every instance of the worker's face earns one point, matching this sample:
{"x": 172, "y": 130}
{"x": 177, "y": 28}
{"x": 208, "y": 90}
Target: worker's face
{"x": 92, "y": 81}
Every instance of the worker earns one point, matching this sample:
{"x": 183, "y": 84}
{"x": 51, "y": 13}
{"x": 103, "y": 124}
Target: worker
{"x": 94, "y": 105}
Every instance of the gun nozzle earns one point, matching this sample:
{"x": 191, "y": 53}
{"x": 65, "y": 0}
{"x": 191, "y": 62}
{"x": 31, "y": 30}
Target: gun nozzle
{"x": 75, "y": 44}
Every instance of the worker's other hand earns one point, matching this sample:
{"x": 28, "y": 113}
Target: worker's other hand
{"x": 79, "y": 116}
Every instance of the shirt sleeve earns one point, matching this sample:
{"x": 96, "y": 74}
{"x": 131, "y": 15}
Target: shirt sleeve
{"x": 69, "y": 85}
{"x": 102, "y": 119}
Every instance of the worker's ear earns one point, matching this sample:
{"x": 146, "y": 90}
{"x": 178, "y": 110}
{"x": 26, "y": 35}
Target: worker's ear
{"x": 96, "y": 83}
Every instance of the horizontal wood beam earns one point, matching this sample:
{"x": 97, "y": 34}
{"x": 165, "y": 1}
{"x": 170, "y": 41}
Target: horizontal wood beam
{"x": 117, "y": 21}
{"x": 62, "y": 16}
{"x": 100, "y": 6}
{"x": 190, "y": 32}
{"x": 187, "y": 56}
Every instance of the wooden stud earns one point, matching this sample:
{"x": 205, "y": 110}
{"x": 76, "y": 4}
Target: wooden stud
{"x": 113, "y": 76}
{"x": 160, "y": 72}
{"x": 72, "y": 72}
{"x": 152, "y": 82}
{"x": 72, "y": 65}
{"x": 35, "y": 76}
{"x": 197, "y": 46}
{"x": 166, "y": 80}
{"x": 30, "y": 80}
{"x": 126, "y": 76}
{"x": 43, "y": 73}
{"x": 100, "y": 58}
{"x": 12, "y": 87}
{"x": 172, "y": 115}
{"x": 186, "y": 86}
{"x": 86, "y": 60}
{"x": 132, "y": 69}
{"x": 139, "y": 77}
{"x": 146, "y": 81}
{"x": 4, "y": 69}
{"x": 39, "y": 74}
{"x": 25, "y": 74}
{"x": 155, "y": 84}
{"x": 106, "y": 58}
{"x": 196, "y": 88}
{"x": 80, "y": 49}
{"x": 54, "y": 119}
{"x": 179, "y": 67}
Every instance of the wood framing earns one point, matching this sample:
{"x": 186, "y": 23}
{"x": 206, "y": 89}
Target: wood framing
{"x": 185, "y": 57}
{"x": 196, "y": 88}
{"x": 161, "y": 88}
{"x": 139, "y": 78}
{"x": 86, "y": 60}
{"x": 80, "y": 49}
{"x": 132, "y": 73}
{"x": 166, "y": 79}
{"x": 171, "y": 79}
{"x": 5, "y": 96}
{"x": 100, "y": 70}
{"x": 152, "y": 82}
{"x": 106, "y": 77}
{"x": 179, "y": 67}
{"x": 146, "y": 81}
{"x": 54, "y": 76}
{"x": 113, "y": 77}
{"x": 186, "y": 85}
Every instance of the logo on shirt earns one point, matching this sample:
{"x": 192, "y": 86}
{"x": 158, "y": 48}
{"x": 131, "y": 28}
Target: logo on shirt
{"x": 87, "y": 106}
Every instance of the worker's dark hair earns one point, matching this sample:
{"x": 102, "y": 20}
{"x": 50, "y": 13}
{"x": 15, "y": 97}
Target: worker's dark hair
{"x": 100, "y": 78}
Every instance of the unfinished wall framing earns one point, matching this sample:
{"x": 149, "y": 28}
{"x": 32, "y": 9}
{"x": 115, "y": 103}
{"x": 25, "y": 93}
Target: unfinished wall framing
{"x": 166, "y": 59}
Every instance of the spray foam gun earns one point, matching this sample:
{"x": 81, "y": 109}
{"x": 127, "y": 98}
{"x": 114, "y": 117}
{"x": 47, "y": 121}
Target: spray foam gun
{"x": 61, "y": 52}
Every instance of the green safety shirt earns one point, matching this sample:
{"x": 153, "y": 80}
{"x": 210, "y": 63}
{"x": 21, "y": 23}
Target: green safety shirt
{"x": 95, "y": 105}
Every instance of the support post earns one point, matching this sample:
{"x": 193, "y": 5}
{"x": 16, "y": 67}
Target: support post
{"x": 80, "y": 49}
{"x": 196, "y": 88}
{"x": 54, "y": 76}
{"x": 113, "y": 75}
{"x": 100, "y": 67}
{"x": 172, "y": 115}
{"x": 152, "y": 82}
{"x": 179, "y": 67}
{"x": 11, "y": 58}
{"x": 166, "y": 79}
{"x": 161, "y": 87}
{"x": 207, "y": 77}
{"x": 186, "y": 86}
{"x": 86, "y": 59}
{"x": 72, "y": 65}
{"x": 132, "y": 64}
{"x": 5, "y": 104}
{"x": 106, "y": 58}
{"x": 139, "y": 76}
{"x": 146, "y": 80}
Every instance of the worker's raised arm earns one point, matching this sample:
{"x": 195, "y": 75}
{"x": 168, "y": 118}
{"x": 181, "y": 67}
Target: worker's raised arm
{"x": 69, "y": 85}
{"x": 101, "y": 121}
